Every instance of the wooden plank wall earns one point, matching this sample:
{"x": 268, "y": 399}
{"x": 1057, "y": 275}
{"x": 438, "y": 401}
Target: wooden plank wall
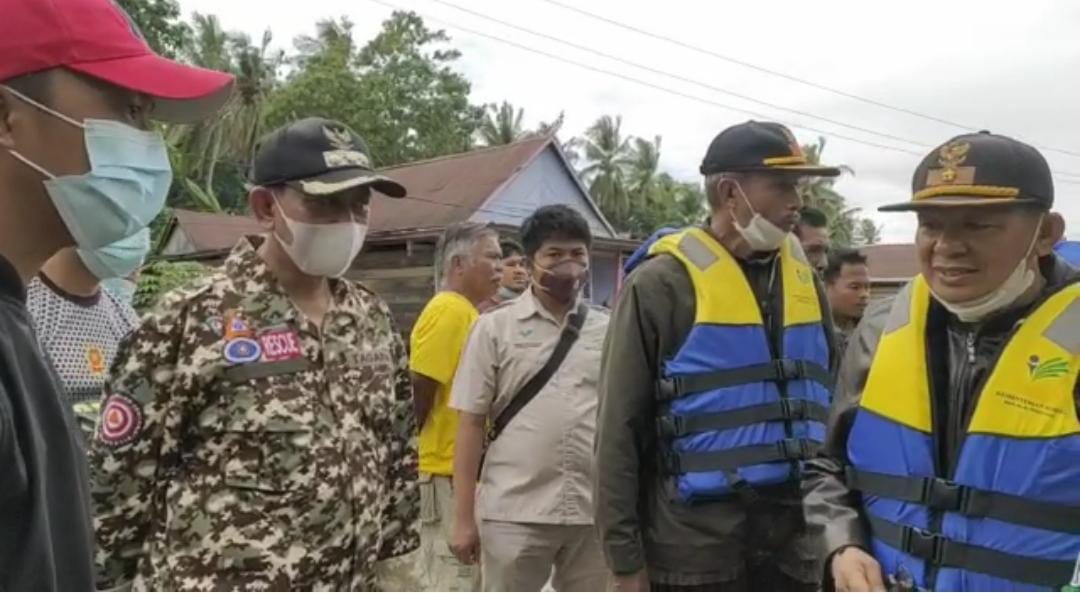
{"x": 402, "y": 274}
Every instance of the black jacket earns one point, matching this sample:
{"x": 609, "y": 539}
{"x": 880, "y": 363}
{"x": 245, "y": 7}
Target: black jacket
{"x": 46, "y": 536}
{"x": 832, "y": 510}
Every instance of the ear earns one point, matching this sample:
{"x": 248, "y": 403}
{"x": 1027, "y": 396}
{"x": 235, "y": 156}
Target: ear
{"x": 1050, "y": 233}
{"x": 262, "y": 203}
{"x": 7, "y": 136}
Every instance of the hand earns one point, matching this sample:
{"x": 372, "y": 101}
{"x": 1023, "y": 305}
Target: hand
{"x": 638, "y": 581}
{"x": 465, "y": 542}
{"x": 855, "y": 570}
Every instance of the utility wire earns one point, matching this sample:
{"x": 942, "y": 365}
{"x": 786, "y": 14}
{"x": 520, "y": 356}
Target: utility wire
{"x": 790, "y": 77}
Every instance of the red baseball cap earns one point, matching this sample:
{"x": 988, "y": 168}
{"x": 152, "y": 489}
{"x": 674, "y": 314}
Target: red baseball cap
{"x": 98, "y": 39}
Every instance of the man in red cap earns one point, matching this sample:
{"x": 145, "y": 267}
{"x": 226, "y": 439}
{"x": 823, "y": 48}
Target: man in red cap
{"x": 78, "y": 167}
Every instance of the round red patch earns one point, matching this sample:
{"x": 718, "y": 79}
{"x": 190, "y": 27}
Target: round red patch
{"x": 121, "y": 420}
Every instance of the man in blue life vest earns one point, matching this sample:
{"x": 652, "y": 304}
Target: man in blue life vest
{"x": 953, "y": 455}
{"x": 715, "y": 383}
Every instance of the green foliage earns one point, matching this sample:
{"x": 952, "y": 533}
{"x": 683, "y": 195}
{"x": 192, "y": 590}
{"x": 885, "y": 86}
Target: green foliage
{"x": 501, "y": 125}
{"x": 846, "y": 228}
{"x": 399, "y": 91}
{"x": 624, "y": 178}
{"x": 161, "y": 277}
{"x": 159, "y": 21}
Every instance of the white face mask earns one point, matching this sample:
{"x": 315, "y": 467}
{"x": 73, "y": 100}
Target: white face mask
{"x": 999, "y": 299}
{"x": 760, "y": 234}
{"x": 325, "y": 250}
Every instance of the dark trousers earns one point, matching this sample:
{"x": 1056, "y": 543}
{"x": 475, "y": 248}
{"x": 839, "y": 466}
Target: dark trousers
{"x": 761, "y": 577}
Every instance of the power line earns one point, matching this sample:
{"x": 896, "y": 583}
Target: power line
{"x": 784, "y": 75}
{"x": 678, "y": 77}
{"x": 644, "y": 83}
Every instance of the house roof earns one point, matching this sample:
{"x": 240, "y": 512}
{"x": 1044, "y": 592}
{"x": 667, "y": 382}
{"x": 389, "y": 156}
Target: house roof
{"x": 441, "y": 191}
{"x": 449, "y": 189}
{"x": 891, "y": 262}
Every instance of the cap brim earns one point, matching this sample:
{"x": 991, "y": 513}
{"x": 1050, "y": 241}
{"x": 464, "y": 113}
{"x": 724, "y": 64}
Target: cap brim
{"x": 183, "y": 94}
{"x": 954, "y": 202}
{"x": 340, "y": 180}
{"x": 805, "y": 170}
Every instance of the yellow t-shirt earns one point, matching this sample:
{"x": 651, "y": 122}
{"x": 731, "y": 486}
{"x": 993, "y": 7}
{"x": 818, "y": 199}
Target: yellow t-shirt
{"x": 436, "y": 343}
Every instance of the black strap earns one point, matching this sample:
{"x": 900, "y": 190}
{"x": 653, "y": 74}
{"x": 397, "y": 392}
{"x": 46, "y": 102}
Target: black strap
{"x": 674, "y": 426}
{"x": 786, "y": 450}
{"x": 945, "y": 495}
{"x": 575, "y": 321}
{"x": 774, "y": 370}
{"x": 940, "y": 551}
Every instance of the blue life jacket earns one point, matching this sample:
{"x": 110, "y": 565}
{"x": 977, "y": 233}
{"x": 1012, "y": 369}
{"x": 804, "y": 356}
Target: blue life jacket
{"x": 734, "y": 414}
{"x": 1007, "y": 518}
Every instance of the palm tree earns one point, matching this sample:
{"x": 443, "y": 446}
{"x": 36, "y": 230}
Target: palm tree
{"x": 644, "y": 168}
{"x": 229, "y": 137}
{"x": 608, "y": 156}
{"x": 818, "y": 192}
{"x": 501, "y": 125}
{"x": 330, "y": 34}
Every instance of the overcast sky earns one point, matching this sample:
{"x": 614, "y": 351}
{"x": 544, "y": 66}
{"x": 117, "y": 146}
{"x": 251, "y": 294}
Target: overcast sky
{"x": 1012, "y": 68}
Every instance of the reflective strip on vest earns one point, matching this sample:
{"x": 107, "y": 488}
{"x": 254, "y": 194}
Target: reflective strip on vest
{"x": 729, "y": 334}
{"x": 975, "y": 530}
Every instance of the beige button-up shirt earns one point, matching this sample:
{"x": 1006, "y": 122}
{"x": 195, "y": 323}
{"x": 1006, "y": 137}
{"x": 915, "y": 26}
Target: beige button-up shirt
{"x": 540, "y": 469}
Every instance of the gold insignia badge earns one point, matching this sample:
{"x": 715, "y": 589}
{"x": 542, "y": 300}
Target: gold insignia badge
{"x": 951, "y": 156}
{"x": 345, "y": 153}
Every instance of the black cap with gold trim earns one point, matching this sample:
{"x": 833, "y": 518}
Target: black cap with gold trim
{"x": 980, "y": 169}
{"x": 321, "y": 157}
{"x": 760, "y": 146}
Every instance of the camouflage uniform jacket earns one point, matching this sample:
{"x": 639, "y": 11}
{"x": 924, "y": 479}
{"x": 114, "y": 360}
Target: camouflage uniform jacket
{"x": 240, "y": 448}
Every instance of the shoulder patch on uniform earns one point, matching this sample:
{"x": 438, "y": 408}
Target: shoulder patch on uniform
{"x": 696, "y": 251}
{"x": 1065, "y": 331}
{"x": 121, "y": 420}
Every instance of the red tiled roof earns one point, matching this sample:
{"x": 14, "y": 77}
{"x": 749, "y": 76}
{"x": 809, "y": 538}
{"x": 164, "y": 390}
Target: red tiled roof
{"x": 891, "y": 261}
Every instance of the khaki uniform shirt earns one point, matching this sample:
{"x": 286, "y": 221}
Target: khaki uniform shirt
{"x": 241, "y": 447}
{"x": 540, "y": 469}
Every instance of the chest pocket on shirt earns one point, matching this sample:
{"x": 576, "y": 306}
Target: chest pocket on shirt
{"x": 264, "y": 427}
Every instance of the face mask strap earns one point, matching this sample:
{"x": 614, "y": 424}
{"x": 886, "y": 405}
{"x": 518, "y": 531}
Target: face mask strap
{"x": 31, "y": 164}
{"x": 49, "y": 110}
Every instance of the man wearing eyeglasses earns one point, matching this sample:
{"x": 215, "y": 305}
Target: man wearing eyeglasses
{"x": 255, "y": 430}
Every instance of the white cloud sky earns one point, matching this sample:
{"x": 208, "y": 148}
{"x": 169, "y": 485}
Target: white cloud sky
{"x": 1004, "y": 66}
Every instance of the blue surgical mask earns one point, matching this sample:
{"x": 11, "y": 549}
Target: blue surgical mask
{"x": 121, "y": 288}
{"x": 125, "y": 188}
{"x": 119, "y": 259}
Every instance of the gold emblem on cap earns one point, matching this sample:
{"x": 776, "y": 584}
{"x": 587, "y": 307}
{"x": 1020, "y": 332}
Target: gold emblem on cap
{"x": 345, "y": 153}
{"x": 951, "y": 156}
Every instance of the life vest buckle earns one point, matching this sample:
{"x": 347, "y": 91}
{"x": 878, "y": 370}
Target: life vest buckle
{"x": 670, "y": 426}
{"x": 794, "y": 409}
{"x": 923, "y": 544}
{"x": 793, "y": 449}
{"x": 789, "y": 370}
{"x": 670, "y": 461}
{"x": 943, "y": 495}
{"x": 666, "y": 389}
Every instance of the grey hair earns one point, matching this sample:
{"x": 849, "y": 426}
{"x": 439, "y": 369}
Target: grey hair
{"x": 456, "y": 241}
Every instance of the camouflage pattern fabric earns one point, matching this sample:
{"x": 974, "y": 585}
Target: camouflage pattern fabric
{"x": 239, "y": 447}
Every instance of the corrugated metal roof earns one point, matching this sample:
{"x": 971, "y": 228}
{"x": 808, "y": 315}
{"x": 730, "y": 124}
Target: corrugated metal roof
{"x": 441, "y": 191}
{"x": 450, "y": 189}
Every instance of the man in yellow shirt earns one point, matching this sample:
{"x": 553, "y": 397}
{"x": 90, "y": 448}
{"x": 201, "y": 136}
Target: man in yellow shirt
{"x": 467, "y": 272}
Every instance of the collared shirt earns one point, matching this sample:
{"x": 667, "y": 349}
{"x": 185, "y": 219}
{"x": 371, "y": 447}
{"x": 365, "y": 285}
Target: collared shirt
{"x": 540, "y": 469}
{"x": 240, "y": 446}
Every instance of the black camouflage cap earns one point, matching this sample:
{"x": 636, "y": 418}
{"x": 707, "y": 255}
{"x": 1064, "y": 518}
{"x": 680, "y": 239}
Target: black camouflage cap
{"x": 320, "y": 157}
{"x": 980, "y": 169}
{"x": 760, "y": 146}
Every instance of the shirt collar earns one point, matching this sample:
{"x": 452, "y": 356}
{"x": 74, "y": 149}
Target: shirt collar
{"x": 527, "y": 305}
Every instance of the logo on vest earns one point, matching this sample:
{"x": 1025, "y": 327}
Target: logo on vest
{"x": 1048, "y": 369}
